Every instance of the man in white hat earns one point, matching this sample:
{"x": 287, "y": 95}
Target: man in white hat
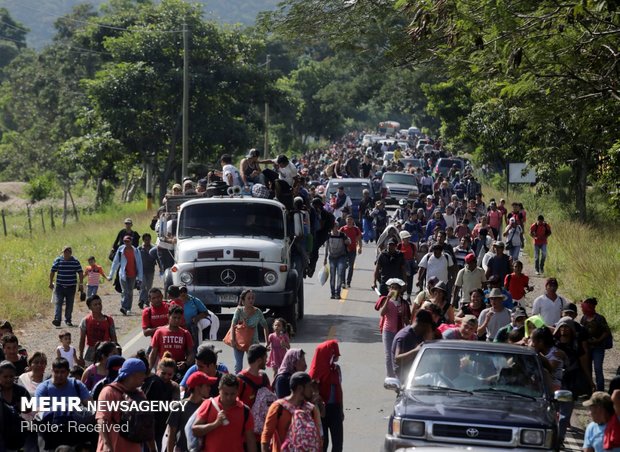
{"x": 495, "y": 317}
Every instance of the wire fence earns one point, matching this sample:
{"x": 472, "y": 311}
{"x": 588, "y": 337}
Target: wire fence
{"x": 36, "y": 220}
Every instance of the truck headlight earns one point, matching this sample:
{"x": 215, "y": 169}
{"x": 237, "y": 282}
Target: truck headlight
{"x": 532, "y": 437}
{"x": 412, "y": 428}
{"x": 186, "y": 278}
{"x": 270, "y": 278}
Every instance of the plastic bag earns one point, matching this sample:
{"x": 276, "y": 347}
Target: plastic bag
{"x": 323, "y": 274}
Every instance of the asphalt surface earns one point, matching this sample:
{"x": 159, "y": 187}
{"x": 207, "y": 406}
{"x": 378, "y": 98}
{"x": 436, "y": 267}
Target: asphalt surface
{"x": 354, "y": 322}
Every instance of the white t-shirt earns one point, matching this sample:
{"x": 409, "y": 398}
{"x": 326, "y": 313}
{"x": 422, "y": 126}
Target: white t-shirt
{"x": 469, "y": 280}
{"x": 450, "y": 220}
{"x": 437, "y": 266}
{"x": 549, "y": 310}
{"x": 288, "y": 173}
{"x": 236, "y": 177}
{"x": 499, "y": 320}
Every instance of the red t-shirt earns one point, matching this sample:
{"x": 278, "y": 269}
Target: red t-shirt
{"x": 541, "y": 232}
{"x": 225, "y": 437}
{"x": 176, "y": 342}
{"x": 247, "y": 393}
{"x": 516, "y": 284}
{"x": 408, "y": 250}
{"x": 353, "y": 233}
{"x": 153, "y": 317}
{"x": 495, "y": 218}
{"x": 130, "y": 268}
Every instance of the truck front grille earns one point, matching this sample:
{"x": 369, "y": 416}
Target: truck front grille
{"x": 472, "y": 433}
{"x": 229, "y": 276}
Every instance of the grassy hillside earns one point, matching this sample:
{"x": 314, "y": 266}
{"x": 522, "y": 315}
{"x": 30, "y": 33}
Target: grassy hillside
{"x": 39, "y": 16}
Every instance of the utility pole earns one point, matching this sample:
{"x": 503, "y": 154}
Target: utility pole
{"x": 266, "y": 145}
{"x": 185, "y": 156}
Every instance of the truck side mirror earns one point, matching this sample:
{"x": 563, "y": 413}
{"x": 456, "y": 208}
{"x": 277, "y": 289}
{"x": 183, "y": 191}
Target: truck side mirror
{"x": 562, "y": 395}
{"x": 392, "y": 384}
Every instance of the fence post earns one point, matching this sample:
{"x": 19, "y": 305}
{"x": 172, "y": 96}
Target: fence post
{"x": 42, "y": 221}
{"x": 52, "y": 217}
{"x": 4, "y": 223}
{"x": 29, "y": 219}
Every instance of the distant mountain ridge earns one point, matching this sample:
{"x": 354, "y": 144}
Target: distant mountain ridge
{"x": 39, "y": 15}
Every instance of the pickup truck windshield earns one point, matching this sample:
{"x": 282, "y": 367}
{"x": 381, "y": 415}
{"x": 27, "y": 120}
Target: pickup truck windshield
{"x": 400, "y": 178}
{"x": 231, "y": 219}
{"x": 488, "y": 373}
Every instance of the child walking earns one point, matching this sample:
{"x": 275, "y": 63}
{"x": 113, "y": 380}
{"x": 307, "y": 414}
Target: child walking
{"x": 66, "y": 350}
{"x": 94, "y": 273}
{"x": 279, "y": 343}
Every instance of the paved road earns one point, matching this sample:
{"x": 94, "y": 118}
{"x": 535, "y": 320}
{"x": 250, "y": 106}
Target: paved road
{"x": 354, "y": 322}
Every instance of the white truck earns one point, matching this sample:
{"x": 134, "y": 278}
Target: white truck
{"x": 226, "y": 244}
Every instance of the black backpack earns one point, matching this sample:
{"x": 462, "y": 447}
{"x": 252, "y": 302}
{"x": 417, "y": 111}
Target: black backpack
{"x": 11, "y": 427}
{"x": 140, "y": 424}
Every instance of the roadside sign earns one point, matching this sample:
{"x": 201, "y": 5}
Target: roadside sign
{"x": 521, "y": 173}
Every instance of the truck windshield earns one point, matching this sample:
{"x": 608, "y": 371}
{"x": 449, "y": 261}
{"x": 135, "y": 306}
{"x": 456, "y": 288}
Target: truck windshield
{"x": 231, "y": 219}
{"x": 478, "y": 372}
{"x": 399, "y": 178}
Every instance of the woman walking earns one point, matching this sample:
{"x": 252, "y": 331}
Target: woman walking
{"x": 394, "y": 312}
{"x": 325, "y": 370}
{"x": 250, "y": 316}
{"x": 599, "y": 338}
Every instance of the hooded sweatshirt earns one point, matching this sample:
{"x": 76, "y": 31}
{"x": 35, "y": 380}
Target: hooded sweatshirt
{"x": 326, "y": 371}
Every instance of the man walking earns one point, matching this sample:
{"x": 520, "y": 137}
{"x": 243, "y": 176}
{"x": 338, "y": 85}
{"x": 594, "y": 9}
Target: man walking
{"x": 128, "y": 259}
{"x": 390, "y": 264}
{"x": 118, "y": 241}
{"x": 468, "y": 279}
{"x": 549, "y": 305}
{"x": 148, "y": 254}
{"x": 66, "y": 267}
{"x": 493, "y": 318}
{"x": 355, "y": 236}
{"x": 540, "y": 232}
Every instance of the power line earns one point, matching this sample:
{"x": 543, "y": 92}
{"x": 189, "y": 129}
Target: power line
{"x": 84, "y": 22}
{"x": 79, "y": 50}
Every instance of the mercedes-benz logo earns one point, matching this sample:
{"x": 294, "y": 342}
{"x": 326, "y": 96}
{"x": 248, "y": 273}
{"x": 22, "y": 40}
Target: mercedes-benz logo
{"x": 472, "y": 432}
{"x": 228, "y": 276}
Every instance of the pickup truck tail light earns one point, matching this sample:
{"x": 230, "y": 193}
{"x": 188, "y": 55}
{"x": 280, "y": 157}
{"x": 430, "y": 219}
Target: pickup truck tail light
{"x": 385, "y": 192}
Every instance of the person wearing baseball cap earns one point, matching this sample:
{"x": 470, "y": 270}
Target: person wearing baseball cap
{"x": 467, "y": 329}
{"x": 128, "y": 263}
{"x": 198, "y": 389}
{"x": 499, "y": 264}
{"x": 127, "y": 230}
{"x": 603, "y": 433}
{"x": 517, "y": 322}
{"x": 469, "y": 278}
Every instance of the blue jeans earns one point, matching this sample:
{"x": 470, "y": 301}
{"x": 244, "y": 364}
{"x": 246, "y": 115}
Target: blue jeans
{"x": 351, "y": 255}
{"x": 388, "y": 339}
{"x": 540, "y": 254}
{"x": 91, "y": 290}
{"x": 514, "y": 253}
{"x": 369, "y": 233}
{"x": 127, "y": 286}
{"x": 64, "y": 294}
{"x": 337, "y": 267}
{"x": 238, "y": 359}
{"x": 147, "y": 283}
{"x": 597, "y": 355}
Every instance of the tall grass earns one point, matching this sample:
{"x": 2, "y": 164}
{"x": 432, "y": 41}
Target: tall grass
{"x": 584, "y": 257}
{"x": 25, "y": 260}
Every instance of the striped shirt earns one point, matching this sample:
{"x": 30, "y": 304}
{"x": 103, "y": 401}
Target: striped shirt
{"x": 66, "y": 270}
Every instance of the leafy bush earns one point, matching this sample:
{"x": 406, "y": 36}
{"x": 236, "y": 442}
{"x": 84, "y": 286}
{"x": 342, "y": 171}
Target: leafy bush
{"x": 40, "y": 187}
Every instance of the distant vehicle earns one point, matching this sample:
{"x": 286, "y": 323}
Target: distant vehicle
{"x": 388, "y": 127}
{"x": 444, "y": 164}
{"x": 353, "y": 188}
{"x": 403, "y": 144}
{"x": 416, "y": 163}
{"x": 421, "y": 143}
{"x": 387, "y": 158}
{"x": 369, "y": 140}
{"x": 484, "y": 395}
{"x": 413, "y": 131}
{"x": 397, "y": 186}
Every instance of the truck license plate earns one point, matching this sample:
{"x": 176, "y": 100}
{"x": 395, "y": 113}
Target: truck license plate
{"x": 228, "y": 298}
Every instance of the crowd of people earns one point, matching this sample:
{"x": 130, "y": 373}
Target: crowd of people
{"x": 447, "y": 267}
